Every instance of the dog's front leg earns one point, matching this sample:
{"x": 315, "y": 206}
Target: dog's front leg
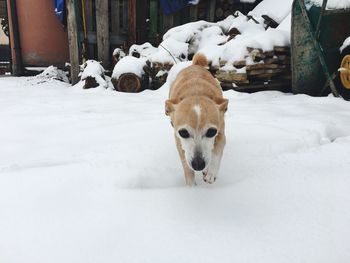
{"x": 189, "y": 173}
{"x": 210, "y": 174}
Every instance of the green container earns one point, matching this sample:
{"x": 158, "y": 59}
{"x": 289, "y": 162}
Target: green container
{"x": 316, "y": 59}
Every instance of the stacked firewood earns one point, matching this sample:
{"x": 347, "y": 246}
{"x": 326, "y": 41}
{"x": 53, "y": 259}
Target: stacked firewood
{"x": 246, "y": 67}
{"x": 259, "y": 68}
{"x": 157, "y": 72}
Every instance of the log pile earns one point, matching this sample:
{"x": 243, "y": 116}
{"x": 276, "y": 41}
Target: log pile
{"x": 253, "y": 67}
{"x": 157, "y": 72}
{"x": 262, "y": 69}
{"x": 271, "y": 66}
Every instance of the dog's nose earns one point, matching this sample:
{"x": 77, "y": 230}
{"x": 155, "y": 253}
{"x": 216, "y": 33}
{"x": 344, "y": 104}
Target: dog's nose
{"x": 198, "y": 163}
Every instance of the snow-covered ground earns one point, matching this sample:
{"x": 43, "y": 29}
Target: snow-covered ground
{"x": 94, "y": 176}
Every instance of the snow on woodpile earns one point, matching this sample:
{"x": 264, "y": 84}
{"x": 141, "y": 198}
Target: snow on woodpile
{"x": 92, "y": 75}
{"x": 331, "y": 4}
{"x": 277, "y": 10}
{"x": 117, "y": 55}
{"x": 143, "y": 50}
{"x": 286, "y": 23}
{"x": 240, "y": 49}
{"x": 127, "y": 74}
{"x": 129, "y": 64}
{"x": 345, "y": 45}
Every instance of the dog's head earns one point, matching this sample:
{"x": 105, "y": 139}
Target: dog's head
{"x": 197, "y": 123}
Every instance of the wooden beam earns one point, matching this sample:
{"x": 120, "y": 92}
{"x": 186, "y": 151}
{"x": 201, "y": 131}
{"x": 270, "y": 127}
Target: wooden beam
{"x": 168, "y": 22}
{"x": 102, "y": 31}
{"x": 73, "y": 41}
{"x": 193, "y": 13}
{"x": 131, "y": 22}
{"x": 115, "y": 17}
{"x": 211, "y": 10}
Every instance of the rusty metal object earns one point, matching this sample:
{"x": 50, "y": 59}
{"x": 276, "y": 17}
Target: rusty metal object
{"x": 345, "y": 72}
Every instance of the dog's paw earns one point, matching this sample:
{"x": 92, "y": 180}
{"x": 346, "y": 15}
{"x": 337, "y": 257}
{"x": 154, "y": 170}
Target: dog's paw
{"x": 209, "y": 177}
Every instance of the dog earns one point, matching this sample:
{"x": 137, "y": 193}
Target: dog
{"x": 196, "y": 108}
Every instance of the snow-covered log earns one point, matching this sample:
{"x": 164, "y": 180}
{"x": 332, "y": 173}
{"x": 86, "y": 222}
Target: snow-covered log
{"x": 127, "y": 82}
{"x": 127, "y": 74}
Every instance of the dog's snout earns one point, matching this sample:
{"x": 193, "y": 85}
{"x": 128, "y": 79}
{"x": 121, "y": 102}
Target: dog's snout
{"x": 198, "y": 163}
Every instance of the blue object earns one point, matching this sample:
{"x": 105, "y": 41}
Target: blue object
{"x": 59, "y": 10}
{"x": 172, "y": 6}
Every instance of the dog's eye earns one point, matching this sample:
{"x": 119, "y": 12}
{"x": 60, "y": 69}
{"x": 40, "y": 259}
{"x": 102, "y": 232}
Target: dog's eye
{"x": 211, "y": 132}
{"x": 184, "y": 133}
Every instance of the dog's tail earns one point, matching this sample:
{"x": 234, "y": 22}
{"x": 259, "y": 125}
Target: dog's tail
{"x": 200, "y": 60}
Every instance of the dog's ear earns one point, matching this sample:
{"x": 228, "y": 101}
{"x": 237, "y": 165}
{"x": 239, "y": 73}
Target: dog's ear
{"x": 222, "y": 104}
{"x": 170, "y": 106}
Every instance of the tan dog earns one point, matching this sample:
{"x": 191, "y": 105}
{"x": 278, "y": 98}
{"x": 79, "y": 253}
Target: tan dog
{"x": 196, "y": 108}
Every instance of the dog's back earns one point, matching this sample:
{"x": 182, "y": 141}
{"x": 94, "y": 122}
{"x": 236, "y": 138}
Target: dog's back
{"x": 195, "y": 80}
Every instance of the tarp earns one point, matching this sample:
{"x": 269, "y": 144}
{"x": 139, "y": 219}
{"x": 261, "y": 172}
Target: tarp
{"x": 60, "y": 10}
{"x": 172, "y": 6}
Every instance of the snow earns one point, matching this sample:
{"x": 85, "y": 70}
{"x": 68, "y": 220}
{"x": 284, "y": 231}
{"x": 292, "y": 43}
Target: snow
{"x": 129, "y": 64}
{"x": 210, "y": 39}
{"x": 286, "y": 24}
{"x": 277, "y": 10}
{"x": 93, "y": 176}
{"x": 346, "y": 43}
{"x": 331, "y": 4}
{"x": 212, "y": 36}
{"x": 51, "y": 73}
{"x": 144, "y": 50}
{"x": 247, "y": 27}
{"x": 119, "y": 52}
{"x": 170, "y": 51}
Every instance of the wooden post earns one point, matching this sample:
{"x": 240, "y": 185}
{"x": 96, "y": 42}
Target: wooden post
{"x": 131, "y": 22}
{"x": 193, "y": 13}
{"x": 102, "y": 30}
{"x": 115, "y": 17}
{"x": 73, "y": 41}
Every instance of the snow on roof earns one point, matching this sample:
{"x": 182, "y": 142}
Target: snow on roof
{"x": 277, "y": 10}
{"x": 331, "y": 4}
{"x": 129, "y": 64}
